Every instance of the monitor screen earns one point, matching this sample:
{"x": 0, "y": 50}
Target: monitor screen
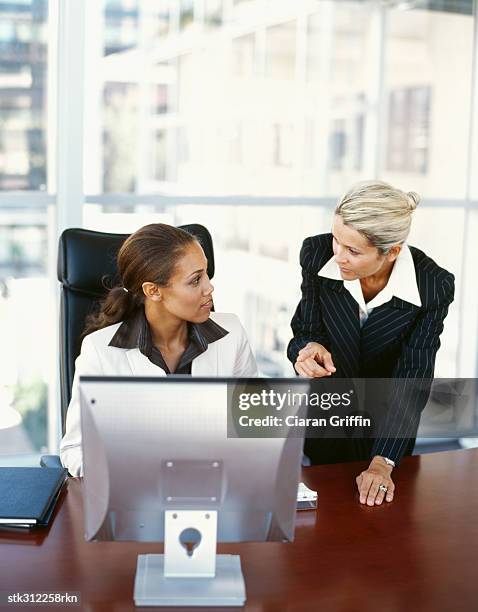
{"x": 157, "y": 444}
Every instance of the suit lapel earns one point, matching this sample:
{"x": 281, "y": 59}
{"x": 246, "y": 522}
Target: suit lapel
{"x": 207, "y": 363}
{"x": 141, "y": 366}
{"x": 341, "y": 316}
{"x": 385, "y": 324}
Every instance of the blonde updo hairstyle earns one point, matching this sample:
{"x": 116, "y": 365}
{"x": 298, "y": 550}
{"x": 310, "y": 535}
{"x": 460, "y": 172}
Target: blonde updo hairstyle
{"x": 379, "y": 212}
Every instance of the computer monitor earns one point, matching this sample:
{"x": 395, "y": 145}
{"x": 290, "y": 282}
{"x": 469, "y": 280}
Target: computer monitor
{"x": 159, "y": 466}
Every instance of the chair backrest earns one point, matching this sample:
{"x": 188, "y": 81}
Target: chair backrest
{"x": 85, "y": 258}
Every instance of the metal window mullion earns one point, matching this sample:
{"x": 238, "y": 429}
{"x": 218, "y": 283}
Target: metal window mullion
{"x": 323, "y": 119}
{"x": 93, "y": 95}
{"x": 467, "y": 359}
{"x": 144, "y": 167}
{"x": 376, "y": 102}
{"x": 300, "y": 118}
{"x": 381, "y": 125}
{"x": 66, "y": 100}
{"x": 70, "y": 111}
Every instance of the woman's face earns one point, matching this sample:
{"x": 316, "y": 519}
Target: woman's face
{"x": 188, "y": 295}
{"x": 354, "y": 254}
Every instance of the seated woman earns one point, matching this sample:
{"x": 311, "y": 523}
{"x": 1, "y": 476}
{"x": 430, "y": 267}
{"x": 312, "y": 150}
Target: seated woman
{"x": 371, "y": 307}
{"x": 158, "y": 322}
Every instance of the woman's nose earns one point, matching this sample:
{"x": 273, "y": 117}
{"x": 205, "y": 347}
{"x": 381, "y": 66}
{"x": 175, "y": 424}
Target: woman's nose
{"x": 340, "y": 255}
{"x": 209, "y": 288}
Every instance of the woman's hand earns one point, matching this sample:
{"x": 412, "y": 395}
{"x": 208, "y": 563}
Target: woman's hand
{"x": 369, "y": 481}
{"x": 314, "y": 361}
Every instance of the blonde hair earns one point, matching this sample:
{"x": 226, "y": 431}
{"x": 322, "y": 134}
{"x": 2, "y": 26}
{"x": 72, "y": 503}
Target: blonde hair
{"x": 380, "y": 212}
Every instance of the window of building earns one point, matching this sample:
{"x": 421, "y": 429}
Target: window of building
{"x": 409, "y": 129}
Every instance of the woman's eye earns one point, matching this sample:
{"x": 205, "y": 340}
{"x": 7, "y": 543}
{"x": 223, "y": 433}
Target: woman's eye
{"x": 196, "y": 280}
{"x": 353, "y": 252}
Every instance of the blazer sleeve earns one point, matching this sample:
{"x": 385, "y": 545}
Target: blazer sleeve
{"x": 245, "y": 364}
{"x": 407, "y": 399}
{"x": 87, "y": 364}
{"x": 307, "y": 324}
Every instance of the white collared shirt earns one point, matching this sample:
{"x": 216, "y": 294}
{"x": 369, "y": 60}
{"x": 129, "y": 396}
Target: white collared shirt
{"x": 401, "y": 284}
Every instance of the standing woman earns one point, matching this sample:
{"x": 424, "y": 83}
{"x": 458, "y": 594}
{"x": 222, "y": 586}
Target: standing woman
{"x": 157, "y": 322}
{"x": 371, "y": 307}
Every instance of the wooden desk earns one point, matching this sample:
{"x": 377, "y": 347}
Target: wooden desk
{"x": 418, "y": 553}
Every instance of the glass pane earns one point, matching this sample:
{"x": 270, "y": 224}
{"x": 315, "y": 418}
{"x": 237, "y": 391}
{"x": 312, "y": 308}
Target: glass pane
{"x": 23, "y": 103}
{"x": 280, "y": 51}
{"x": 26, "y": 350}
{"x": 243, "y": 55}
{"x": 428, "y": 74}
{"x": 258, "y": 274}
{"x": 213, "y": 13}
{"x": 121, "y": 25}
{"x": 448, "y": 229}
{"x": 339, "y": 104}
{"x": 284, "y": 108}
{"x": 120, "y": 136}
{"x": 186, "y": 14}
{"x": 293, "y": 100}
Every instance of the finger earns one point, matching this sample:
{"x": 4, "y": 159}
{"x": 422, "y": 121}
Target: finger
{"x": 365, "y": 487}
{"x": 312, "y": 368}
{"x": 304, "y": 369}
{"x": 317, "y": 370}
{"x": 305, "y": 353}
{"x": 299, "y": 368}
{"x": 380, "y": 496}
{"x": 390, "y": 492}
{"x": 373, "y": 491}
{"x": 328, "y": 363}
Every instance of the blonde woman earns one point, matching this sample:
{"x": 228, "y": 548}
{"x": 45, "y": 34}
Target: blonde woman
{"x": 371, "y": 306}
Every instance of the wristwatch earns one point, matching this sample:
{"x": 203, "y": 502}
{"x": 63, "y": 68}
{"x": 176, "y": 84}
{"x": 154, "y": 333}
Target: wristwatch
{"x": 389, "y": 461}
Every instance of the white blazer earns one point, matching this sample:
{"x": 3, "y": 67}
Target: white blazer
{"x": 231, "y": 355}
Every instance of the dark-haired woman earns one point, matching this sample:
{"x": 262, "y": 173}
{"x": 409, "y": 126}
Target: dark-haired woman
{"x": 158, "y": 322}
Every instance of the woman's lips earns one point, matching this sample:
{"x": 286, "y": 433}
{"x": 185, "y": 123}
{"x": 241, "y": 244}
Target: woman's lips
{"x": 207, "y": 305}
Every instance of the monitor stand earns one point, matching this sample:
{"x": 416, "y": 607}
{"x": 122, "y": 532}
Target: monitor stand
{"x": 189, "y": 573}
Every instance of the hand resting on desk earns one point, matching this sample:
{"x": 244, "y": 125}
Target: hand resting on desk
{"x": 369, "y": 481}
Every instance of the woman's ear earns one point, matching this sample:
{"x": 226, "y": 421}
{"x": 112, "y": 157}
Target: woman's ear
{"x": 394, "y": 253}
{"x": 151, "y": 291}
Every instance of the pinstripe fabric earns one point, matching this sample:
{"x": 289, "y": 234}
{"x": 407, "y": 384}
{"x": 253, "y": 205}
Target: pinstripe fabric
{"x": 399, "y": 340}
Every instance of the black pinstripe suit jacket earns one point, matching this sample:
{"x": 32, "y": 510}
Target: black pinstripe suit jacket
{"x": 399, "y": 339}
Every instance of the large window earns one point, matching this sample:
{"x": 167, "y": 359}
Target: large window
{"x": 23, "y": 76}
{"x": 249, "y": 116}
{"x": 25, "y": 298}
{"x": 291, "y": 100}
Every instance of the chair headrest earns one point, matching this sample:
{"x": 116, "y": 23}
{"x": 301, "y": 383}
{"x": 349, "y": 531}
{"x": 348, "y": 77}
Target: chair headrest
{"x": 86, "y": 257}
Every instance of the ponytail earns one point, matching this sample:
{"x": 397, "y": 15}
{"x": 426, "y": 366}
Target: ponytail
{"x": 118, "y": 305}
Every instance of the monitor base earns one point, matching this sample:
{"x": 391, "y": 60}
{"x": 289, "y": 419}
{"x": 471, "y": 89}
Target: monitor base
{"x": 151, "y": 588}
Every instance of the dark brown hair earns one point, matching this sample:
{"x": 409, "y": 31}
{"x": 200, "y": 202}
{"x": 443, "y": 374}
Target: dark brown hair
{"x": 150, "y": 254}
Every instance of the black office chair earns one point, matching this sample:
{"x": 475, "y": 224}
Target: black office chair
{"x": 85, "y": 259}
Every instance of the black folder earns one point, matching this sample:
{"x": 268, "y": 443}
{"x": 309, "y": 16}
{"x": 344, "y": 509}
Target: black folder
{"x": 28, "y": 495}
